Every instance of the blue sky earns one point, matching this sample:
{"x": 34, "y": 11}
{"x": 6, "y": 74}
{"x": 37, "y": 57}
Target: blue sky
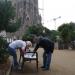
{"x": 54, "y": 9}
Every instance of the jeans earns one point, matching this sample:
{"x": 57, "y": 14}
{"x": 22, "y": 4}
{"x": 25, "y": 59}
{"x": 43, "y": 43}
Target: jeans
{"x": 47, "y": 60}
{"x": 12, "y": 52}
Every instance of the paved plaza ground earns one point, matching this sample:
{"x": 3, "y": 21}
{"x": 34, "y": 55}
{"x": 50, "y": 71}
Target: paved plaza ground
{"x": 63, "y": 63}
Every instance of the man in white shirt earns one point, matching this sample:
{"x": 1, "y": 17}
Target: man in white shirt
{"x": 23, "y": 45}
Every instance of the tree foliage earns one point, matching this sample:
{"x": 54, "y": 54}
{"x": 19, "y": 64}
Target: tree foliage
{"x": 14, "y": 26}
{"x": 35, "y": 29}
{"x": 7, "y": 14}
{"x": 3, "y": 50}
{"x": 67, "y": 32}
{"x": 39, "y": 30}
{"x": 54, "y": 35}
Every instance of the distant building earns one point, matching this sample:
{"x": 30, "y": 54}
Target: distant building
{"x": 27, "y": 11}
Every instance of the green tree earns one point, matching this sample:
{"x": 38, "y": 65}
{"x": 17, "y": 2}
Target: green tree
{"x": 54, "y": 35}
{"x": 35, "y": 29}
{"x": 39, "y": 30}
{"x": 14, "y": 26}
{"x": 7, "y": 14}
{"x": 67, "y": 33}
{"x": 72, "y": 31}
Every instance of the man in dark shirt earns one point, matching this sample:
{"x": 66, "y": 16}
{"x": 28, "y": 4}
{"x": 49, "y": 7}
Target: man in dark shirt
{"x": 48, "y": 47}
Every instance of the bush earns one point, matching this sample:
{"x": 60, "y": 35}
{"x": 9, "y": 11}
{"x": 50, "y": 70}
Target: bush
{"x": 3, "y": 50}
{"x": 28, "y": 37}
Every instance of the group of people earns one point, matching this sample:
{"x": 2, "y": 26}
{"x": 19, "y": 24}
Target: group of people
{"x": 45, "y": 43}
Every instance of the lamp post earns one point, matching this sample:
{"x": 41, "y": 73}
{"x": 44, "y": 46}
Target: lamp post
{"x": 41, "y": 10}
{"x": 54, "y": 19}
{"x": 42, "y": 14}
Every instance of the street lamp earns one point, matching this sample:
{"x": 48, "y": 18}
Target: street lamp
{"x": 42, "y": 13}
{"x": 54, "y": 19}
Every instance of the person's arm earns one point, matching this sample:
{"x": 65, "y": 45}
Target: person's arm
{"x": 36, "y": 47}
{"x": 23, "y": 49}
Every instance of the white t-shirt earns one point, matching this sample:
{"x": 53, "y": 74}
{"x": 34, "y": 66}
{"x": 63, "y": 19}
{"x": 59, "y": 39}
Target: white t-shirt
{"x": 18, "y": 44}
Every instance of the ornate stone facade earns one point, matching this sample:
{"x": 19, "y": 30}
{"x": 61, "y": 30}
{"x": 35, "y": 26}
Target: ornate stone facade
{"x": 27, "y": 11}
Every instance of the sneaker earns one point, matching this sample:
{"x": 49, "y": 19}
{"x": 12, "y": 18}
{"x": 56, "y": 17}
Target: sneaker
{"x": 45, "y": 69}
{"x": 42, "y": 67}
{"x": 19, "y": 68}
{"x": 15, "y": 68}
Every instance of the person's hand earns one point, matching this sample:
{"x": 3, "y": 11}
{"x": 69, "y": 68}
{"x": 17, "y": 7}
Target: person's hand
{"x": 33, "y": 54}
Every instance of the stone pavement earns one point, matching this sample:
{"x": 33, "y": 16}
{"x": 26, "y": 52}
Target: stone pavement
{"x": 63, "y": 63}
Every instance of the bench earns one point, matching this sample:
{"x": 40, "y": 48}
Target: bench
{"x": 28, "y": 57}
